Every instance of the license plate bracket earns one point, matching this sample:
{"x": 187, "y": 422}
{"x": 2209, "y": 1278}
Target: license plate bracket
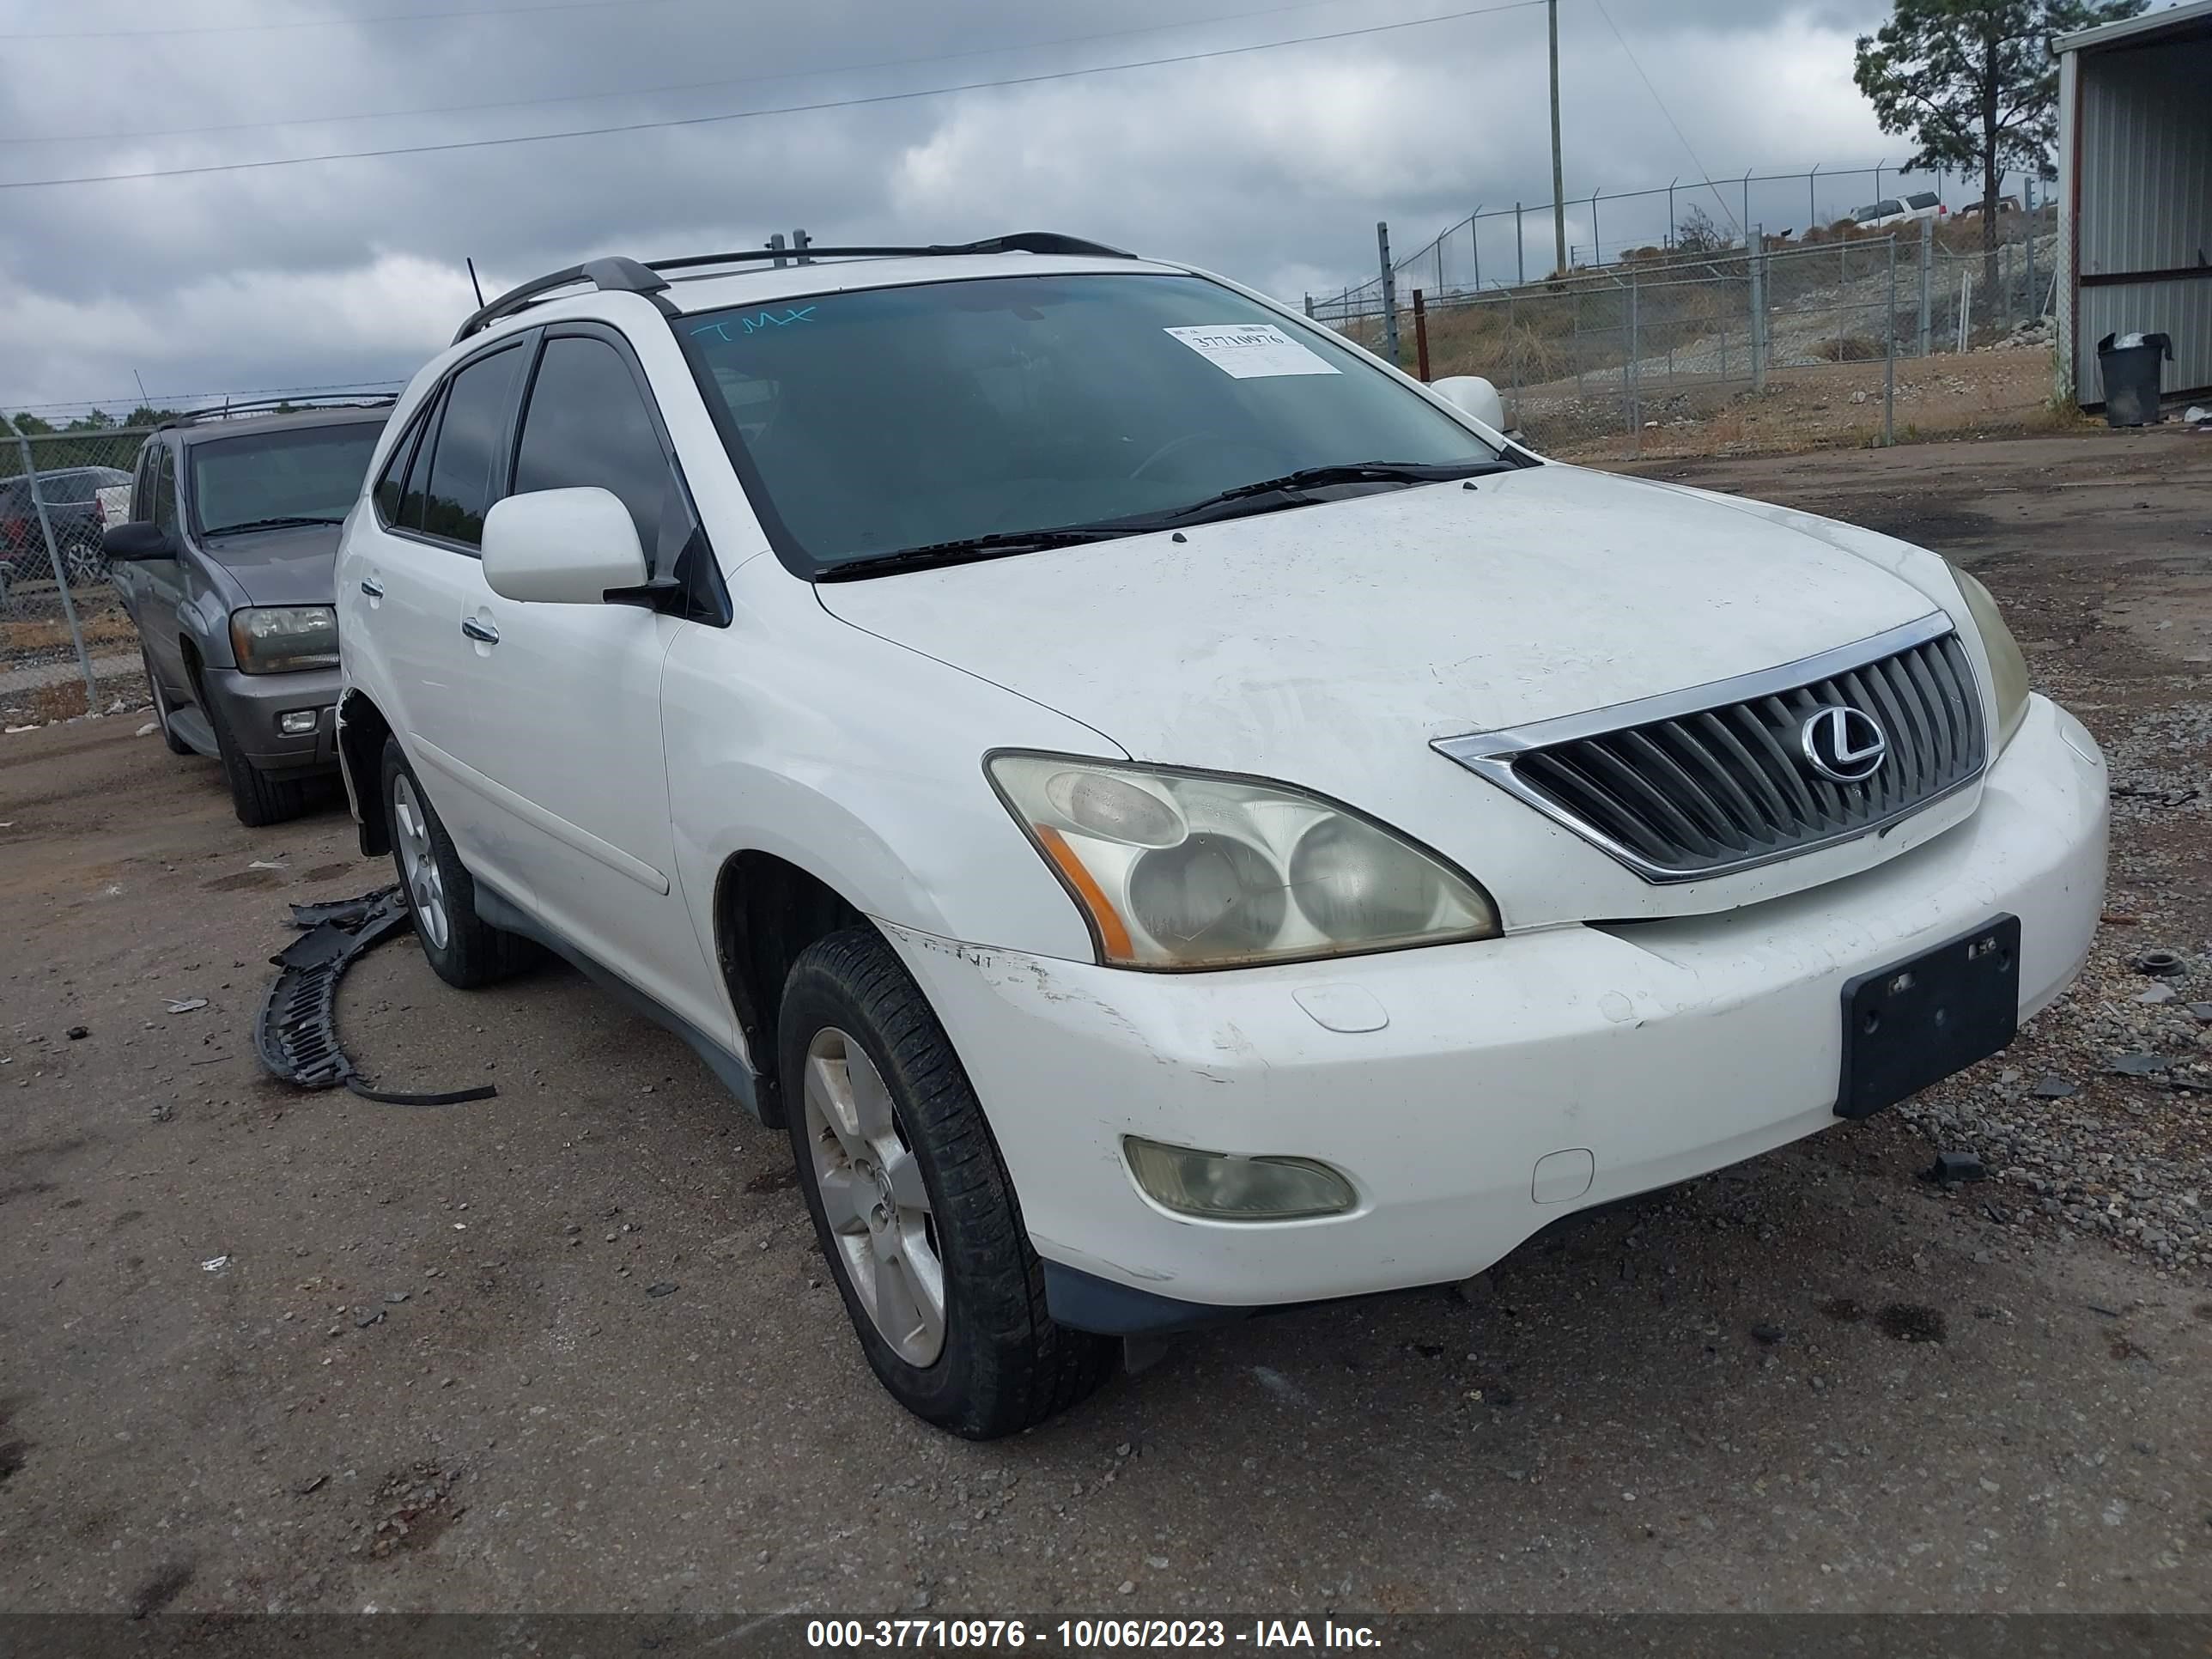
{"x": 1914, "y": 1022}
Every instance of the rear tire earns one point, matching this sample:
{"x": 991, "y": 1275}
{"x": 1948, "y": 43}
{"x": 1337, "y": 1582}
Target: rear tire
{"x": 465, "y": 949}
{"x": 176, "y": 744}
{"x": 257, "y": 798}
{"x": 905, "y": 1183}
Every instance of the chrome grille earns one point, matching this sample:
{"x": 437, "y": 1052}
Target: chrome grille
{"x": 1720, "y": 778}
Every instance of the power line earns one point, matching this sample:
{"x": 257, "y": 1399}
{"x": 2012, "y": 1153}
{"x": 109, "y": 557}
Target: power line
{"x": 755, "y": 114}
{"x": 654, "y": 92}
{"x": 336, "y": 23}
{"x": 1669, "y": 113}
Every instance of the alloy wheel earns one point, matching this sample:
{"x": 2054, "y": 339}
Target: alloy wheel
{"x": 418, "y": 862}
{"x": 872, "y": 1193}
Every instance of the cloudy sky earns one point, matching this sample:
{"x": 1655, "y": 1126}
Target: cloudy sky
{"x": 1272, "y": 166}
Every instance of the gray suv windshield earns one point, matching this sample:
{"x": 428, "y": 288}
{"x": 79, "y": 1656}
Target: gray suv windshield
{"x": 898, "y": 418}
{"x": 304, "y": 474}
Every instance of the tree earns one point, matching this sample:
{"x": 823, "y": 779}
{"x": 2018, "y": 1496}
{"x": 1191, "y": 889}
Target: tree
{"x": 1973, "y": 83}
{"x": 1698, "y": 233}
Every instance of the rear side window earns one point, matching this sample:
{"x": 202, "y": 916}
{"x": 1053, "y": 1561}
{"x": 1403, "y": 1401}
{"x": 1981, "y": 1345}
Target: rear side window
{"x": 1926, "y": 198}
{"x": 461, "y": 483}
{"x": 587, "y": 424}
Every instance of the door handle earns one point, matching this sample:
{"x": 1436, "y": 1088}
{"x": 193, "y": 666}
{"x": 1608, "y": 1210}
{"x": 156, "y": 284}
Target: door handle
{"x": 373, "y": 587}
{"x": 485, "y": 633}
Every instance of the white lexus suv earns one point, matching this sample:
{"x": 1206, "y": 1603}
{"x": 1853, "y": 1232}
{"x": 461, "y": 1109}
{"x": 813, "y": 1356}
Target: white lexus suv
{"x": 1174, "y": 817}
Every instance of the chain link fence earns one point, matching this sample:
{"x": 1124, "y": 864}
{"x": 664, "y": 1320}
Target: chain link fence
{"x": 1663, "y": 335}
{"x": 67, "y": 646}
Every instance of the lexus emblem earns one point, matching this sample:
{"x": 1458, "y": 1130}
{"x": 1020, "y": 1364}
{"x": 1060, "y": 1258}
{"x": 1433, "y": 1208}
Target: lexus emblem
{"x": 1842, "y": 743}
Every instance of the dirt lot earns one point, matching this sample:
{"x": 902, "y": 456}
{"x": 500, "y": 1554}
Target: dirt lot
{"x": 261, "y": 1349}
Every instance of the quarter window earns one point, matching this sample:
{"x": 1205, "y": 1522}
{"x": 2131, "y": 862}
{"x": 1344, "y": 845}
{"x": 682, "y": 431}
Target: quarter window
{"x": 392, "y": 482}
{"x": 418, "y": 465}
{"x": 461, "y": 482}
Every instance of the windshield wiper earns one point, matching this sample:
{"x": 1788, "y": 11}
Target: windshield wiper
{"x": 1342, "y": 473}
{"x": 967, "y": 550}
{"x": 1228, "y": 504}
{"x": 281, "y": 523}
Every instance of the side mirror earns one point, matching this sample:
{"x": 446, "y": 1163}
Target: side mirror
{"x": 1473, "y": 395}
{"x": 561, "y": 547}
{"x": 137, "y": 542}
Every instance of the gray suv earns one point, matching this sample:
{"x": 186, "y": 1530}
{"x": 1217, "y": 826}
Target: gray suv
{"x": 227, "y": 567}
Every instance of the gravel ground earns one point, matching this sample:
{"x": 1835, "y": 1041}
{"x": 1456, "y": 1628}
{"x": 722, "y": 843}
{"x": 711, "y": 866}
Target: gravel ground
{"x": 262, "y": 1350}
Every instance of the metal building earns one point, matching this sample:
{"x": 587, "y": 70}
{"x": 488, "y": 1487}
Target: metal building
{"x": 2135, "y": 194}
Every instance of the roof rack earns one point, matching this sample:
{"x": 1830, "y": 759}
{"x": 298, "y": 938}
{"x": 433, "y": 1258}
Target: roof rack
{"x": 301, "y": 406}
{"x": 622, "y": 276}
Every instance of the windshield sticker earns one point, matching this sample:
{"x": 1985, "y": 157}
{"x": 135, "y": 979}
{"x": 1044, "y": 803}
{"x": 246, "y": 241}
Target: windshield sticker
{"x": 756, "y": 323}
{"x": 1252, "y": 351}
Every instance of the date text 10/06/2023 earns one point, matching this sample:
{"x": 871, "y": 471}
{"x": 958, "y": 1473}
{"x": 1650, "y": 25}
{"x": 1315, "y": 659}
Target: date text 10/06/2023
{"x": 1087, "y": 1635}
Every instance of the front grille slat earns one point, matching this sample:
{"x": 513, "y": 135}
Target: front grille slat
{"x": 1771, "y": 810}
{"x": 1922, "y": 679}
{"x": 1775, "y": 761}
{"x": 1722, "y": 788}
{"x": 1713, "y": 777}
{"x": 1917, "y": 762}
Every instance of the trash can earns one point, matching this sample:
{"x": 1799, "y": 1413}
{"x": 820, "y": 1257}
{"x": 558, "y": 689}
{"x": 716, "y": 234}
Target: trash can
{"x": 2129, "y": 366}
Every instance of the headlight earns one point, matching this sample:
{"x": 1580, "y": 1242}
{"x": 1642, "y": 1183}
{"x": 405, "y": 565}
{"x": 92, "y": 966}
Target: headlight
{"x": 268, "y": 639}
{"x": 1179, "y": 869}
{"x": 2008, "y": 667}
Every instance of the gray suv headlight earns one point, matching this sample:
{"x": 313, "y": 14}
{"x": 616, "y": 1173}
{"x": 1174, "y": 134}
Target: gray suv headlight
{"x": 1176, "y": 869}
{"x": 273, "y": 638}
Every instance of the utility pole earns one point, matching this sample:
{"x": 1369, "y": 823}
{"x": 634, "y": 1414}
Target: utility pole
{"x": 1558, "y": 170}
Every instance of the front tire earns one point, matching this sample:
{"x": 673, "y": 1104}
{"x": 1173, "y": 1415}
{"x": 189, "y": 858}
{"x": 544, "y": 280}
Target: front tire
{"x": 464, "y": 949}
{"x": 912, "y": 1204}
{"x": 257, "y": 798}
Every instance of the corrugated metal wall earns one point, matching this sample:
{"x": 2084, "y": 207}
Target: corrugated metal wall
{"x": 2145, "y": 153}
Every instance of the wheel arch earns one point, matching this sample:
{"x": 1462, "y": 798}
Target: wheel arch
{"x": 362, "y": 731}
{"x": 766, "y": 910}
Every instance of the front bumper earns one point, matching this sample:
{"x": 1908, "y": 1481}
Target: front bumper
{"x": 1648, "y": 1052}
{"x": 251, "y": 704}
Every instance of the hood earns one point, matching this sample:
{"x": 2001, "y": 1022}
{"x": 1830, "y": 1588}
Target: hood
{"x": 1290, "y": 644}
{"x": 297, "y": 566}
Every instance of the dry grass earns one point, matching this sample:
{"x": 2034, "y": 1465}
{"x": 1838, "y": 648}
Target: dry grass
{"x": 64, "y": 701}
{"x": 103, "y": 628}
{"x": 1848, "y": 349}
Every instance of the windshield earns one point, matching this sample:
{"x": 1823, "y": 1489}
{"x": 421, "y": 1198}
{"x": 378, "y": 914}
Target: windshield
{"x": 896, "y": 418}
{"x": 308, "y": 472}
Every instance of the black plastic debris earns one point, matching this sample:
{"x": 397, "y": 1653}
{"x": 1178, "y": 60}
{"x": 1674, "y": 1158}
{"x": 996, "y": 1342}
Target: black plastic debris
{"x": 296, "y": 1034}
{"x": 2165, "y": 964}
{"x": 1950, "y": 1169}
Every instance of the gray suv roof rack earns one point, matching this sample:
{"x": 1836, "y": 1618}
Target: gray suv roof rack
{"x": 307, "y": 404}
{"x": 622, "y": 276}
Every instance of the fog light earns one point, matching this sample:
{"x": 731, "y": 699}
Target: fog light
{"x": 298, "y": 722}
{"x": 1230, "y": 1189}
